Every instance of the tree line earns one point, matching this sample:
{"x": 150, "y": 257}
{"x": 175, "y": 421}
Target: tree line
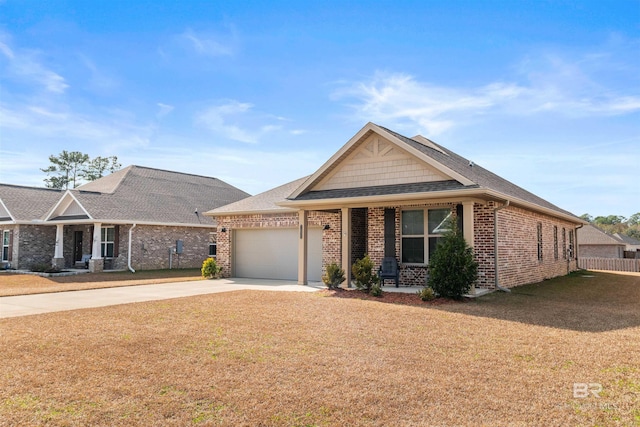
{"x": 73, "y": 168}
{"x": 613, "y": 224}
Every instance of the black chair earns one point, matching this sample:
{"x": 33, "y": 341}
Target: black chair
{"x": 389, "y": 269}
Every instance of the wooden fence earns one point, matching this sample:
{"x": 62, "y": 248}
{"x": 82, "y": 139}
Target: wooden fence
{"x": 613, "y": 264}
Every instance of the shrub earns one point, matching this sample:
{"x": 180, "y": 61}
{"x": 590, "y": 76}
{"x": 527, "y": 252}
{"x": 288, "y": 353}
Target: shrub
{"x": 363, "y": 274}
{"x": 452, "y": 268}
{"x": 376, "y": 290}
{"x": 210, "y": 269}
{"x": 334, "y": 276}
{"x": 427, "y": 294}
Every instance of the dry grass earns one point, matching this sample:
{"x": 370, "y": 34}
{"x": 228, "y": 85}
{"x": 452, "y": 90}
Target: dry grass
{"x": 296, "y": 359}
{"x": 25, "y": 284}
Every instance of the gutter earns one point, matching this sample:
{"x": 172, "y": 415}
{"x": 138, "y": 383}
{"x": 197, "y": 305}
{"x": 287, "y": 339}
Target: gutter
{"x": 495, "y": 247}
{"x": 129, "y": 251}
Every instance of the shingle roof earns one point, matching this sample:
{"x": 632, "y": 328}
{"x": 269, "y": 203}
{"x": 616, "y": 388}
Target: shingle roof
{"x": 482, "y": 177}
{"x": 263, "y": 202}
{"x": 27, "y": 203}
{"x": 144, "y": 194}
{"x": 384, "y": 190}
{"x": 591, "y": 235}
{"x": 627, "y": 239}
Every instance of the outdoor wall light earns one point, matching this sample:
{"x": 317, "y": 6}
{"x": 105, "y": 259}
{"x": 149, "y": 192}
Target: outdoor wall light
{"x": 326, "y": 227}
{"x": 223, "y": 230}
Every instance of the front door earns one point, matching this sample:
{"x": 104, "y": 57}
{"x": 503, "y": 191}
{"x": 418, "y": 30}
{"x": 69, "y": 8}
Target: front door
{"x": 77, "y": 246}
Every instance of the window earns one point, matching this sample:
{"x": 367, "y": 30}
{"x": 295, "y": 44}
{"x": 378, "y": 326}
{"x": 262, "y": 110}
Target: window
{"x": 416, "y": 244}
{"x": 539, "y": 241}
{"x": 213, "y": 247}
{"x": 6, "y": 237}
{"x": 107, "y": 242}
{"x": 571, "y": 248}
{"x": 564, "y": 243}
{"x": 555, "y": 242}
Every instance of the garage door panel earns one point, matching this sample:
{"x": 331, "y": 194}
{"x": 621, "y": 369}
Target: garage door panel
{"x": 273, "y": 253}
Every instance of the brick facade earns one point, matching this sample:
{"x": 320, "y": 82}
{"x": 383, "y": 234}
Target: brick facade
{"x": 31, "y": 244}
{"x": 517, "y": 241}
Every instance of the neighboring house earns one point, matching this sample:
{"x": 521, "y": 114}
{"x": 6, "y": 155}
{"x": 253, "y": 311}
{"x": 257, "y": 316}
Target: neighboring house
{"x": 595, "y": 243}
{"x": 384, "y": 194}
{"x": 633, "y": 245}
{"x": 138, "y": 217}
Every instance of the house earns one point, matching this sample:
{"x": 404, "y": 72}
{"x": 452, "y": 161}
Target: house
{"x": 595, "y": 243}
{"x": 384, "y": 194}
{"x": 136, "y": 218}
{"x": 632, "y": 249}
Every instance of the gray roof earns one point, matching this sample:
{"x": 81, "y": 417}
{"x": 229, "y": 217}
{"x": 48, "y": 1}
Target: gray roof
{"x": 480, "y": 178}
{"x": 627, "y": 239}
{"x": 138, "y": 193}
{"x": 479, "y": 175}
{"x": 591, "y": 235}
{"x": 263, "y": 202}
{"x": 27, "y": 203}
{"x": 383, "y": 190}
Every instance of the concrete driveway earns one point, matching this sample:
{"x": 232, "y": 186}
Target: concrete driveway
{"x": 24, "y": 305}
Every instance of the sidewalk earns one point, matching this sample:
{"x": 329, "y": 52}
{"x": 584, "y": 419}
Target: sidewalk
{"x": 24, "y": 305}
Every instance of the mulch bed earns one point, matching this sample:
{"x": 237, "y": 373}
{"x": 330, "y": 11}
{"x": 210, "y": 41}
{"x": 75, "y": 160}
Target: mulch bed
{"x": 388, "y": 297}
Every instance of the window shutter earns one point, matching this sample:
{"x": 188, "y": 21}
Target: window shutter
{"x": 116, "y": 241}
{"x": 10, "y": 245}
{"x": 390, "y": 232}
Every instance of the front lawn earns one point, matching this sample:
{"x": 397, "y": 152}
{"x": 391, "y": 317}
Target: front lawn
{"x": 25, "y": 284}
{"x": 252, "y": 358}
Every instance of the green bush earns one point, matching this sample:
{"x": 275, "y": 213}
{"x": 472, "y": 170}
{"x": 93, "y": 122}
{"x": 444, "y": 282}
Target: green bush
{"x": 376, "y": 290}
{"x": 364, "y": 275}
{"x": 427, "y": 294}
{"x": 210, "y": 269}
{"x": 334, "y": 276}
{"x": 452, "y": 268}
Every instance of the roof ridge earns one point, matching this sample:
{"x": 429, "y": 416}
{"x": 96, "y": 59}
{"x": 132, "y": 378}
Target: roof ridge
{"x": 32, "y": 187}
{"x": 176, "y": 172}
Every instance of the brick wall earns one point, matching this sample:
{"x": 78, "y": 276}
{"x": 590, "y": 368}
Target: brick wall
{"x": 601, "y": 251}
{"x": 33, "y": 244}
{"x": 359, "y": 233}
{"x": 518, "y": 247}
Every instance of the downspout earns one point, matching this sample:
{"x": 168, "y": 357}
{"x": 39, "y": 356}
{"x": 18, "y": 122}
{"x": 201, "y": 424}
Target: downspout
{"x": 495, "y": 246}
{"x": 129, "y": 251}
{"x": 575, "y": 250}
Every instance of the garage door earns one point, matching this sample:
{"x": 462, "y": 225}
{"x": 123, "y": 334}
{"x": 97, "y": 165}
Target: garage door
{"x": 273, "y": 253}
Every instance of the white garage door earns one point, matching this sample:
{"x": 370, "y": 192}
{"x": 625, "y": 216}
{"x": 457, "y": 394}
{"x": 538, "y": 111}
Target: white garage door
{"x": 273, "y": 253}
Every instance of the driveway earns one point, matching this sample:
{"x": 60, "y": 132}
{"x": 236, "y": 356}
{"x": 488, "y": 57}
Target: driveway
{"x": 24, "y": 305}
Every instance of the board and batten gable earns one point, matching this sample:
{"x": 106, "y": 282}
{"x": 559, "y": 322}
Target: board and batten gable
{"x": 377, "y": 161}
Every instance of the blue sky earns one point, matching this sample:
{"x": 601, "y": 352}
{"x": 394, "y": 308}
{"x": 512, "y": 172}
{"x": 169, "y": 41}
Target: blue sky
{"x": 258, "y": 93}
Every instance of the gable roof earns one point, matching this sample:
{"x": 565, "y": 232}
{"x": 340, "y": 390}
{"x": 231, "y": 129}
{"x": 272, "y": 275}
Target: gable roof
{"x": 627, "y": 239}
{"x": 265, "y": 202}
{"x": 591, "y": 235}
{"x": 146, "y": 195}
{"x": 465, "y": 178}
{"x": 25, "y": 204}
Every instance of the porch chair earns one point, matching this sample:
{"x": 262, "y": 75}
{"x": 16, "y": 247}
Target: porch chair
{"x": 389, "y": 269}
{"x": 85, "y": 260}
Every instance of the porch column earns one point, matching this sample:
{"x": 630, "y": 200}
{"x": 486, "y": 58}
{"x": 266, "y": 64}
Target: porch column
{"x": 58, "y": 255}
{"x": 96, "y": 263}
{"x": 302, "y": 247}
{"x": 468, "y": 230}
{"x": 346, "y": 246}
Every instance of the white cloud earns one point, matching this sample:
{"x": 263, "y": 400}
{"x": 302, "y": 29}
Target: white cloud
{"x": 164, "y": 109}
{"x": 25, "y": 65}
{"x": 542, "y": 83}
{"x": 223, "y": 120}
{"x": 208, "y": 44}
